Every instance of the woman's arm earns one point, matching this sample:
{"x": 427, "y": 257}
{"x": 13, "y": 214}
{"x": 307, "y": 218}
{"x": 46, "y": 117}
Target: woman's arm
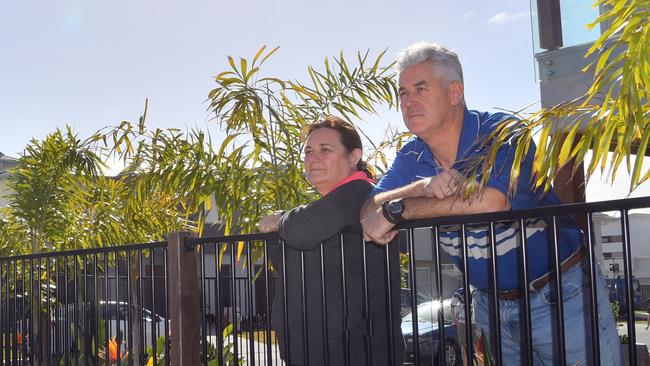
{"x": 305, "y": 227}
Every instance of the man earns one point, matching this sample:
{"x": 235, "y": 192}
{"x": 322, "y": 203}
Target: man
{"x": 421, "y": 184}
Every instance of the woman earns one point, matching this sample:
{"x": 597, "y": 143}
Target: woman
{"x": 334, "y": 167}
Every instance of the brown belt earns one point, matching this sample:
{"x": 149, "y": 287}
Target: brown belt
{"x": 540, "y": 282}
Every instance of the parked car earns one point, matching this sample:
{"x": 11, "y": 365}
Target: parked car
{"x": 407, "y": 302}
{"x": 429, "y": 335}
{"x": 616, "y": 291}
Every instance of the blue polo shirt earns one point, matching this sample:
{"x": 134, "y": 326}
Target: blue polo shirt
{"x": 415, "y": 161}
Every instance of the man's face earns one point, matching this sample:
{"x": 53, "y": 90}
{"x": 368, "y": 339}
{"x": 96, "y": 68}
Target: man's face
{"x": 425, "y": 99}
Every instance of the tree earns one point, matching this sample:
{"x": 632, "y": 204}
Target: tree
{"x": 612, "y": 115}
{"x": 264, "y": 117}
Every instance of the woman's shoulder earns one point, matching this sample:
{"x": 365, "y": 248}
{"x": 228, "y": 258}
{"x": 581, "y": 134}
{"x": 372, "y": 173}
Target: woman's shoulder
{"x": 353, "y": 187}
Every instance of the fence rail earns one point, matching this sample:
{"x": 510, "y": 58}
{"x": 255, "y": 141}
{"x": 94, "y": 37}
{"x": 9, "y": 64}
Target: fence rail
{"x": 209, "y": 299}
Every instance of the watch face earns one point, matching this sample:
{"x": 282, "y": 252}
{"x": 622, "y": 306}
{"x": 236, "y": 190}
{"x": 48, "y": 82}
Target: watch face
{"x": 396, "y": 207}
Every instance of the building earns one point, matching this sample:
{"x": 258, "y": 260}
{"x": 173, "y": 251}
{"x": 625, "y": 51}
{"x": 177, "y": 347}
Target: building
{"x": 609, "y": 237}
{"x": 6, "y": 163}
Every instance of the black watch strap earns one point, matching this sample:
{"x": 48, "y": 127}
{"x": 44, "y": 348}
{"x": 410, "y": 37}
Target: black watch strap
{"x": 393, "y": 211}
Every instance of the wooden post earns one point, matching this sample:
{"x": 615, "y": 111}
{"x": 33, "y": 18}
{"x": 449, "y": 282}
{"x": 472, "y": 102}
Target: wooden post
{"x": 570, "y": 188}
{"x": 185, "y": 304}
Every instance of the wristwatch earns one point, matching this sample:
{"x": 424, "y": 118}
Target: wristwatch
{"x": 393, "y": 210}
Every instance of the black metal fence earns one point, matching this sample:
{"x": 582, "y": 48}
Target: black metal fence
{"x": 111, "y": 306}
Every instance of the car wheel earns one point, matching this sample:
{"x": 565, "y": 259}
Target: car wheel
{"x": 452, "y": 353}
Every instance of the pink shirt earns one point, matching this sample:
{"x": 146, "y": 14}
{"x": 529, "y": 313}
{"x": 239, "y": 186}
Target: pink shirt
{"x": 354, "y": 176}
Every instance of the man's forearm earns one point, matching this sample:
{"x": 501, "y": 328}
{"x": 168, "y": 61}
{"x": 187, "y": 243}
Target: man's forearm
{"x": 490, "y": 200}
{"x": 409, "y": 191}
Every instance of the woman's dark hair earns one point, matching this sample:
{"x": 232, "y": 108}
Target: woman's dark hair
{"x": 349, "y": 137}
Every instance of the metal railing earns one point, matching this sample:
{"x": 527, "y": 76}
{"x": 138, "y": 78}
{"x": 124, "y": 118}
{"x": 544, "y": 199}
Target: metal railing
{"x": 66, "y": 308}
{"x": 105, "y": 305}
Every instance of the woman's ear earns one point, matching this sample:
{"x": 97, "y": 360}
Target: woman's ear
{"x": 355, "y": 157}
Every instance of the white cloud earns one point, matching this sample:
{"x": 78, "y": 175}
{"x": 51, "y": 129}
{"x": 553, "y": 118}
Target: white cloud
{"x": 505, "y": 17}
{"x": 468, "y": 15}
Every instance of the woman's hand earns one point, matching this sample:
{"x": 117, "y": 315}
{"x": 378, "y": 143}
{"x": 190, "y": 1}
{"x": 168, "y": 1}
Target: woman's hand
{"x": 270, "y": 222}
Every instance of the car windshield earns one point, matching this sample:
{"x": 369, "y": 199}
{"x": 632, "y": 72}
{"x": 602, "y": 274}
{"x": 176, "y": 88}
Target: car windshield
{"x": 428, "y": 312}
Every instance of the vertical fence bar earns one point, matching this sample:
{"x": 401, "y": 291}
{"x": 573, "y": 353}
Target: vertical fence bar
{"x": 593, "y": 292}
{"x": 38, "y": 309}
{"x": 344, "y": 293}
{"x": 284, "y": 299}
{"x": 527, "y": 311}
{"x": 85, "y": 309}
{"x": 558, "y": 289}
{"x": 140, "y": 312}
{"x": 204, "y": 335}
{"x": 4, "y": 309}
{"x": 220, "y": 340}
{"x": 466, "y": 294}
{"x": 627, "y": 268}
{"x": 14, "y": 320}
{"x": 414, "y": 303}
{"x": 251, "y": 341}
{"x": 495, "y": 293}
{"x": 118, "y": 332}
{"x": 267, "y": 308}
{"x": 152, "y": 263}
{"x": 324, "y": 306}
{"x": 96, "y": 305}
{"x": 66, "y": 313}
{"x": 129, "y": 297}
{"x": 366, "y": 305}
{"x": 441, "y": 316}
{"x": 305, "y": 335}
{"x": 75, "y": 310}
{"x": 232, "y": 302}
{"x": 23, "y": 327}
{"x": 107, "y": 305}
{"x": 48, "y": 306}
{"x": 166, "y": 274}
{"x": 4, "y": 313}
{"x": 58, "y": 314}
{"x": 389, "y": 314}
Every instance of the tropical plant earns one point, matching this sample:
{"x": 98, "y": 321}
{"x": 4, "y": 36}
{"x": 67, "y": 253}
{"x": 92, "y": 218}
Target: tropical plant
{"x": 613, "y": 115}
{"x": 111, "y": 354}
{"x": 263, "y": 118}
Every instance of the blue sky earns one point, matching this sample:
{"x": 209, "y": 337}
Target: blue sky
{"x": 90, "y": 64}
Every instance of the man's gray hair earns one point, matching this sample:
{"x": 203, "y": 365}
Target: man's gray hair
{"x": 444, "y": 59}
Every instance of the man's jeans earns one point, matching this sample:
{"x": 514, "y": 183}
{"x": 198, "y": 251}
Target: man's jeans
{"x": 577, "y": 323}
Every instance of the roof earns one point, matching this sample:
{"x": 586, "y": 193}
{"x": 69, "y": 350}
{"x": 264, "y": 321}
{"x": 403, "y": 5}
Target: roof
{"x": 7, "y": 162}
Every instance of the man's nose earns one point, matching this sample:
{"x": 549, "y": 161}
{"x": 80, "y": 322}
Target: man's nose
{"x": 408, "y": 101}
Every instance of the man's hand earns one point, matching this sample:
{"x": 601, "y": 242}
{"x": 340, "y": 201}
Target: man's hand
{"x": 376, "y": 228}
{"x": 442, "y": 185}
{"x": 270, "y": 223}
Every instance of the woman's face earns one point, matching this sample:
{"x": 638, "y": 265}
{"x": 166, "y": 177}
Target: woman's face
{"x": 327, "y": 162}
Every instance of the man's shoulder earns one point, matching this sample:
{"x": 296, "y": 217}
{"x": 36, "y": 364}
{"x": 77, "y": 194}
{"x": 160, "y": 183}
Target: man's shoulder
{"x": 489, "y": 120}
{"x": 412, "y": 146}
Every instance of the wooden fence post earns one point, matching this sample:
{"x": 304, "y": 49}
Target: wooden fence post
{"x": 185, "y": 304}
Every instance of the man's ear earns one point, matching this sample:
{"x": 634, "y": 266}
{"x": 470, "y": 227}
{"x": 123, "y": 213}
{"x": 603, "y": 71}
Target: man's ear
{"x": 456, "y": 92}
